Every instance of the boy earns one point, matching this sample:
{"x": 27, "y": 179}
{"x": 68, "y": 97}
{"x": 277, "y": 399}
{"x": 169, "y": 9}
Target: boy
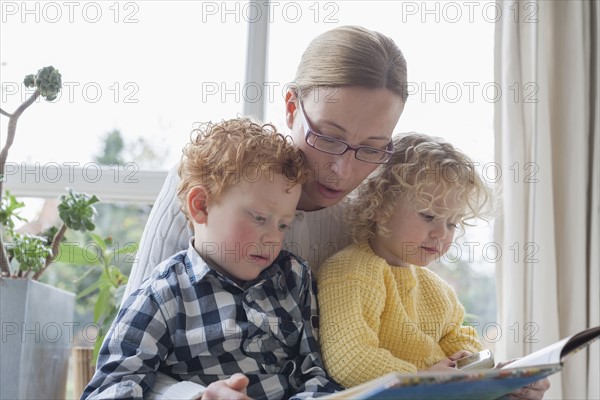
{"x": 233, "y": 302}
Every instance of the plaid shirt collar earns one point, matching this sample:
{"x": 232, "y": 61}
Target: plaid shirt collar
{"x": 198, "y": 268}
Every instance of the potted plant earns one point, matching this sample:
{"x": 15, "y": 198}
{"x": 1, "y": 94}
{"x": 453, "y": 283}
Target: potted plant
{"x": 36, "y": 318}
{"x": 109, "y": 289}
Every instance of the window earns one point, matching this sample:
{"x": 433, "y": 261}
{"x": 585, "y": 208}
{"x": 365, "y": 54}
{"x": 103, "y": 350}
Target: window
{"x": 152, "y": 69}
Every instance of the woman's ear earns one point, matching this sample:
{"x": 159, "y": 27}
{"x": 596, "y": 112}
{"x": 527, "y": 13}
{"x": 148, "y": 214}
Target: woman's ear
{"x": 197, "y": 200}
{"x": 290, "y": 107}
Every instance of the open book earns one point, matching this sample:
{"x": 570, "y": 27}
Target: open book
{"x": 486, "y": 384}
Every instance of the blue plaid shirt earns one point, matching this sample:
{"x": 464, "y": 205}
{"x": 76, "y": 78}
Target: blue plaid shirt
{"x": 195, "y": 324}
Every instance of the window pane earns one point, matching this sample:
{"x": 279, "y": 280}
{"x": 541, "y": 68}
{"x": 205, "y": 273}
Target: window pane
{"x": 149, "y": 69}
{"x": 450, "y": 61}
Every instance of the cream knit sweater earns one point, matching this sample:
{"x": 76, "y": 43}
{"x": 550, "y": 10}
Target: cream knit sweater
{"x": 376, "y": 318}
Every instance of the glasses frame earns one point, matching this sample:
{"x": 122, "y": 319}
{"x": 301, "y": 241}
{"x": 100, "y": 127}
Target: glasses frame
{"x": 309, "y": 130}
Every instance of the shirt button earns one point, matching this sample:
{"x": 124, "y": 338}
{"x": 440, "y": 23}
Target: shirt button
{"x": 300, "y": 216}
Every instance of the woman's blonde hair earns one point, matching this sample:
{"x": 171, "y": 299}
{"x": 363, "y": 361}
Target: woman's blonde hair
{"x": 423, "y": 170}
{"x": 222, "y": 155}
{"x": 352, "y": 56}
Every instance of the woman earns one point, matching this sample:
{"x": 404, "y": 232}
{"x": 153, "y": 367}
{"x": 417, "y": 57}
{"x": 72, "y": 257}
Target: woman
{"x": 348, "y": 94}
{"x": 351, "y": 83}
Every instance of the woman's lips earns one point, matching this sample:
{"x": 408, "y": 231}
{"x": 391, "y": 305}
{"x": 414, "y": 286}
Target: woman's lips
{"x": 329, "y": 193}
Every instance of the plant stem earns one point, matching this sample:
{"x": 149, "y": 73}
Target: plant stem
{"x": 4, "y": 113}
{"x": 55, "y": 246}
{"x": 4, "y": 265}
{"x": 10, "y": 137}
{"x": 12, "y": 129}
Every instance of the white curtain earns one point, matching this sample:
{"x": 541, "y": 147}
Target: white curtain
{"x": 547, "y": 144}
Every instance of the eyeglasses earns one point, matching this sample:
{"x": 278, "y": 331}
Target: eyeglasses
{"x": 330, "y": 145}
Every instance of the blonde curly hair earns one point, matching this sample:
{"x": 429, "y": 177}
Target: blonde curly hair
{"x": 419, "y": 161}
{"x": 222, "y": 155}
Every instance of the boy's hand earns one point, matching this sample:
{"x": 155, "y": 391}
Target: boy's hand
{"x": 233, "y": 388}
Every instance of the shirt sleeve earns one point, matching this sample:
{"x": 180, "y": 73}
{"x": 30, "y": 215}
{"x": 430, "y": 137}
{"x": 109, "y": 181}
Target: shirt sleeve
{"x": 309, "y": 375}
{"x": 130, "y": 355}
{"x": 166, "y": 232}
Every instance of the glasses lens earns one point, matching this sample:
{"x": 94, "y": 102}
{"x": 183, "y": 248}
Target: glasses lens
{"x": 328, "y": 145}
{"x": 372, "y": 155}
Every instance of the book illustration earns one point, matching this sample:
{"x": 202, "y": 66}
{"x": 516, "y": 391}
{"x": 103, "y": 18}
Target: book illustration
{"x": 479, "y": 385}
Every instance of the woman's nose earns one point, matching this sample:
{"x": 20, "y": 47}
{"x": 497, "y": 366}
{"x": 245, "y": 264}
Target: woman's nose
{"x": 343, "y": 167}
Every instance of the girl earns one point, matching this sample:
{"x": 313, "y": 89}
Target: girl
{"x": 380, "y": 311}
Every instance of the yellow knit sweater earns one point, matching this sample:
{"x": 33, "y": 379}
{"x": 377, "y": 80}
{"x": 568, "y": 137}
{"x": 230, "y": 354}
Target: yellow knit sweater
{"x": 376, "y": 318}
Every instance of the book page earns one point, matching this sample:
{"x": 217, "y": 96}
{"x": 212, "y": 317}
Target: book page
{"x": 549, "y": 355}
{"x": 556, "y": 353}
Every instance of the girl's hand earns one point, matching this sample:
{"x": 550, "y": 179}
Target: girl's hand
{"x": 460, "y": 354}
{"x": 446, "y": 365}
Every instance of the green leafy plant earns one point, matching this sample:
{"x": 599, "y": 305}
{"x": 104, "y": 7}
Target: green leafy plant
{"x": 33, "y": 254}
{"x": 110, "y": 286}
{"x": 29, "y": 256}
